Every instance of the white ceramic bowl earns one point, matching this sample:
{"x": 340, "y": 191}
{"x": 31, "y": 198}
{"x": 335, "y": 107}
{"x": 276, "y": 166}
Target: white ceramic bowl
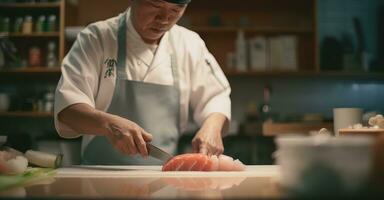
{"x": 322, "y": 162}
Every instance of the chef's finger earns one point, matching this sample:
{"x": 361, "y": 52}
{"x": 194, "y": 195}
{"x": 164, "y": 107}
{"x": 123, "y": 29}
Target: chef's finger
{"x": 122, "y": 148}
{"x": 129, "y": 142}
{"x": 141, "y": 145}
{"x": 113, "y": 141}
{"x": 195, "y": 147}
{"x": 203, "y": 150}
{"x": 146, "y": 136}
{"x": 196, "y": 143}
{"x": 217, "y": 150}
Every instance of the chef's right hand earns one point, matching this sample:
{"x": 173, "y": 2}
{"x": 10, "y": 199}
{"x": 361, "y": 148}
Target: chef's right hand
{"x": 128, "y": 137}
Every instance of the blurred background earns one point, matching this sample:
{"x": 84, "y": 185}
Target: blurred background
{"x": 289, "y": 64}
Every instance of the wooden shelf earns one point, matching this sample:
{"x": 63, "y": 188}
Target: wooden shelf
{"x": 30, "y": 5}
{"x": 208, "y": 29}
{"x": 19, "y": 35}
{"x": 274, "y": 129}
{"x": 33, "y": 70}
{"x": 345, "y": 74}
{"x": 26, "y": 114}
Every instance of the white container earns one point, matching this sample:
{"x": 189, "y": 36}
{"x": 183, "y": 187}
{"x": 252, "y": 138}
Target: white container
{"x": 345, "y": 117}
{"x": 258, "y": 53}
{"x": 4, "y": 102}
{"x": 241, "y": 52}
{"x": 317, "y": 162}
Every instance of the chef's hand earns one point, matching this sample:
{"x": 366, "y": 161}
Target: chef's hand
{"x": 128, "y": 137}
{"x": 208, "y": 139}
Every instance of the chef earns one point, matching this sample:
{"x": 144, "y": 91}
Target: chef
{"x": 133, "y": 79}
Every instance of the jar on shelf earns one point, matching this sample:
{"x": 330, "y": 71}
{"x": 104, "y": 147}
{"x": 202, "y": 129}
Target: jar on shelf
{"x": 51, "y": 55}
{"x": 18, "y": 25}
{"x": 49, "y": 101}
{"x": 35, "y": 56}
{"x": 51, "y": 24}
{"x": 5, "y": 25}
{"x": 28, "y": 25}
{"x": 40, "y": 24}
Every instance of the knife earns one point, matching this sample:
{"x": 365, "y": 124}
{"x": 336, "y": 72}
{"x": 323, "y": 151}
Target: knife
{"x": 158, "y": 153}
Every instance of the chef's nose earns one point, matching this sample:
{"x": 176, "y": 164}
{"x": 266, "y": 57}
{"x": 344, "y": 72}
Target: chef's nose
{"x": 164, "y": 16}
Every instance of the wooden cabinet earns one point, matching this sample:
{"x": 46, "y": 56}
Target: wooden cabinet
{"x": 25, "y": 39}
{"x": 40, "y": 50}
{"x": 219, "y": 21}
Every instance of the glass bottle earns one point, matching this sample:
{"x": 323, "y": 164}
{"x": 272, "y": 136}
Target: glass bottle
{"x": 40, "y": 24}
{"x": 51, "y": 24}
{"x": 18, "y": 25}
{"x": 265, "y": 106}
{"x": 51, "y": 55}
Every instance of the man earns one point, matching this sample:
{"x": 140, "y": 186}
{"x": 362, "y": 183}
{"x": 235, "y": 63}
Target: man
{"x": 131, "y": 80}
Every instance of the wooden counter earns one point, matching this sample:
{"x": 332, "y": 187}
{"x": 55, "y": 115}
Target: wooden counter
{"x": 135, "y": 182}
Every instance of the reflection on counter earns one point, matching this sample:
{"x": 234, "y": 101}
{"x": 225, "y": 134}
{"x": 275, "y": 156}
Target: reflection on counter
{"x": 153, "y": 184}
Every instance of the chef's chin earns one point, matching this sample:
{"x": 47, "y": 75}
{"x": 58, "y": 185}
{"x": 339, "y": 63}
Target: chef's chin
{"x": 153, "y": 36}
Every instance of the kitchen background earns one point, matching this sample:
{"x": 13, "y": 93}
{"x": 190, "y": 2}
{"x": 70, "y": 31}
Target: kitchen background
{"x": 333, "y": 56}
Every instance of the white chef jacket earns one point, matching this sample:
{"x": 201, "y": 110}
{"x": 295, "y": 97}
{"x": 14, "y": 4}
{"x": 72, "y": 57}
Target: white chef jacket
{"x": 203, "y": 85}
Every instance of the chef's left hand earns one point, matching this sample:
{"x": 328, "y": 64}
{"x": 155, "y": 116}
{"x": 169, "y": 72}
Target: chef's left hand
{"x": 208, "y": 139}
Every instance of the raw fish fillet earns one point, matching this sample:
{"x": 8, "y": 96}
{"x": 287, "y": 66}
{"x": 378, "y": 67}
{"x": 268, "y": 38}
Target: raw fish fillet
{"x": 201, "y": 162}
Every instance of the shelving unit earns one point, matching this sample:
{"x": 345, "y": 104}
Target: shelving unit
{"x": 22, "y": 9}
{"x": 322, "y": 74}
{"x": 31, "y": 5}
{"x": 32, "y": 71}
{"x": 218, "y": 22}
{"x": 26, "y": 114}
{"x": 34, "y": 35}
{"x": 27, "y": 76}
{"x": 263, "y": 30}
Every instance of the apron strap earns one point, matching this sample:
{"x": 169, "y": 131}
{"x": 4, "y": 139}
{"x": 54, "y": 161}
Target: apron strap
{"x": 176, "y": 82}
{"x": 175, "y": 72}
{"x": 122, "y": 49}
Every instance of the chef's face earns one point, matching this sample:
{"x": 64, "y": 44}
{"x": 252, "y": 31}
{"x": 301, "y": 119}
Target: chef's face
{"x": 152, "y": 18}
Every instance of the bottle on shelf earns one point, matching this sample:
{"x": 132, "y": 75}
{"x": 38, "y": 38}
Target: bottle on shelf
{"x": 49, "y": 101}
{"x": 18, "y": 25}
{"x": 51, "y": 23}
{"x": 28, "y": 25}
{"x": 241, "y": 52}
{"x": 5, "y": 25}
{"x": 35, "y": 56}
{"x": 265, "y": 106}
{"x": 40, "y": 24}
{"x": 51, "y": 55}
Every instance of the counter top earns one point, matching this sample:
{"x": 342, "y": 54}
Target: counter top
{"x": 132, "y": 182}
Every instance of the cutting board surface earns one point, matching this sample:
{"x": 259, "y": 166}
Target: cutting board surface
{"x": 155, "y": 171}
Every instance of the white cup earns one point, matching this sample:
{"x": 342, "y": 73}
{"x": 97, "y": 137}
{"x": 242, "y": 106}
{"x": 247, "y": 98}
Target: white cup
{"x": 345, "y": 117}
{"x": 4, "y": 102}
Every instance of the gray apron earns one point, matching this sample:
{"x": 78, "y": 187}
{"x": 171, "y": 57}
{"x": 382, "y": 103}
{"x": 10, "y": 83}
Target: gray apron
{"x": 153, "y": 107}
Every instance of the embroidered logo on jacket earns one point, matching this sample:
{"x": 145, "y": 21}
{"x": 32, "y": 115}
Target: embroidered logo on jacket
{"x": 110, "y": 63}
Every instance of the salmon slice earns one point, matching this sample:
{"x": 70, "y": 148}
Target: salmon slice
{"x": 201, "y": 162}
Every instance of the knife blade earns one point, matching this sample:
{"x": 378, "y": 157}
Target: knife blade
{"x": 158, "y": 153}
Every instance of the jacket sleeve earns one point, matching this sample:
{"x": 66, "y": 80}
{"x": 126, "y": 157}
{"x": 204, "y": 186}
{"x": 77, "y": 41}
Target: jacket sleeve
{"x": 210, "y": 90}
{"x": 80, "y": 76}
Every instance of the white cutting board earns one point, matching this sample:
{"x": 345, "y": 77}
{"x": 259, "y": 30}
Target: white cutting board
{"x": 155, "y": 171}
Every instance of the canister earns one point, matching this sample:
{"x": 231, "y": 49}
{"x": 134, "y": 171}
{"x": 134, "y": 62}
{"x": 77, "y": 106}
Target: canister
{"x": 35, "y": 56}
{"x": 28, "y": 25}
{"x": 18, "y": 25}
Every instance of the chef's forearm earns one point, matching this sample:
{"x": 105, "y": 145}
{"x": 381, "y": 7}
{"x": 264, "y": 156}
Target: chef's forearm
{"x": 216, "y": 122}
{"x": 86, "y": 120}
